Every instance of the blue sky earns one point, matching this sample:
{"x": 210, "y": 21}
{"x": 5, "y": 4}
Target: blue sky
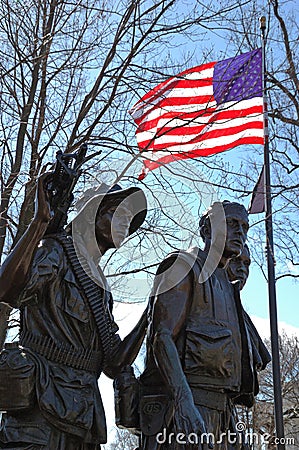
{"x": 255, "y": 292}
{"x": 255, "y": 298}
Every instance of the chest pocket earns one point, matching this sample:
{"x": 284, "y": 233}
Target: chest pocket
{"x": 72, "y": 301}
{"x": 209, "y": 351}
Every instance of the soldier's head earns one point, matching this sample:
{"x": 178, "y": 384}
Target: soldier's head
{"x": 238, "y": 268}
{"x": 112, "y": 213}
{"x": 212, "y": 227}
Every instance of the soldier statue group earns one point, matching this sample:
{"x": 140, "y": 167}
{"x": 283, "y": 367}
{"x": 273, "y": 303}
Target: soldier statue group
{"x": 202, "y": 350}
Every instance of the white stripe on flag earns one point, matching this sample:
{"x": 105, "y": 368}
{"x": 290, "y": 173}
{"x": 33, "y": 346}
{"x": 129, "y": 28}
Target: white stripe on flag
{"x": 180, "y": 138}
{"x": 202, "y": 145}
{"x": 201, "y": 109}
{"x": 180, "y": 108}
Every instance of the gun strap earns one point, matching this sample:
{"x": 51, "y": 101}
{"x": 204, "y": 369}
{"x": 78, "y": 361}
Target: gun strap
{"x": 92, "y": 292}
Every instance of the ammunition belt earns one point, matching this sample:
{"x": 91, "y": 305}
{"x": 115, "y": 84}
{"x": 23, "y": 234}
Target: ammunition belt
{"x": 62, "y": 353}
{"x": 92, "y": 292}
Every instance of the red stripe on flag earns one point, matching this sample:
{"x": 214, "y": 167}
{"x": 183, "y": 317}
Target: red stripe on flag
{"x": 186, "y": 116}
{"x": 189, "y": 118}
{"x": 177, "y": 101}
{"x": 210, "y": 134}
{"x": 171, "y": 80}
{"x": 154, "y": 164}
{"x": 188, "y": 129}
{"x": 152, "y": 145}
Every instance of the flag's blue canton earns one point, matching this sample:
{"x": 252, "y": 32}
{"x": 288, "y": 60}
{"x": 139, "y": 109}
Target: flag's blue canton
{"x": 238, "y": 78}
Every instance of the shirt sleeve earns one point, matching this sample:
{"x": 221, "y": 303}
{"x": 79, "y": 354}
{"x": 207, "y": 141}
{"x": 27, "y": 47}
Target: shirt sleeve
{"x": 47, "y": 263}
{"x": 170, "y": 298}
{"x": 113, "y": 325}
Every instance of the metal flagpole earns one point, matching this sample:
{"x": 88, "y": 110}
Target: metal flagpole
{"x": 271, "y": 269}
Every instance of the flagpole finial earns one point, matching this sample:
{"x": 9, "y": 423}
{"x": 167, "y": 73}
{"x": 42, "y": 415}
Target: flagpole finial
{"x": 263, "y": 23}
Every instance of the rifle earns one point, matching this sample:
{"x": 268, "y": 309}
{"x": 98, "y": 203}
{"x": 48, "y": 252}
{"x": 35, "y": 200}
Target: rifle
{"x": 60, "y": 184}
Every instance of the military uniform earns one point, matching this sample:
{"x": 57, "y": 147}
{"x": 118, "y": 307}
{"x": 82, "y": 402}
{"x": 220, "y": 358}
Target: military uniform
{"x": 60, "y": 334}
{"x": 215, "y": 350}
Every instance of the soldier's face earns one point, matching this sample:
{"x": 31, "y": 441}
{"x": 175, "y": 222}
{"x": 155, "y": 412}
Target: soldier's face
{"x": 112, "y": 224}
{"x": 236, "y": 234}
{"x": 238, "y": 268}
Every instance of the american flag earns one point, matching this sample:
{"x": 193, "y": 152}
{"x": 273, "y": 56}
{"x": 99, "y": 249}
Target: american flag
{"x": 202, "y": 111}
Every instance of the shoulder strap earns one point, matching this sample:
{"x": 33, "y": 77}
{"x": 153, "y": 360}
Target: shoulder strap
{"x": 93, "y": 294}
{"x": 190, "y": 257}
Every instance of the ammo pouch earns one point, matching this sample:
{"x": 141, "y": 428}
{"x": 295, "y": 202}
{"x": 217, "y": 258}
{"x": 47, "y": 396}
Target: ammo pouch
{"x": 126, "y": 399}
{"x": 17, "y": 379}
{"x": 138, "y": 410}
{"x": 155, "y": 413}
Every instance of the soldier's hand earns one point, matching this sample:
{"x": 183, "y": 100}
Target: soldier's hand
{"x": 189, "y": 425}
{"x": 43, "y": 211}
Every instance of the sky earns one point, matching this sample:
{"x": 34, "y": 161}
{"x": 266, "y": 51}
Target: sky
{"x": 255, "y": 292}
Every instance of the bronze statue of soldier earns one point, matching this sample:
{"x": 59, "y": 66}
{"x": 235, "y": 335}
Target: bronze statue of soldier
{"x": 59, "y": 330}
{"x": 238, "y": 268}
{"x": 238, "y": 272}
{"x": 199, "y": 356}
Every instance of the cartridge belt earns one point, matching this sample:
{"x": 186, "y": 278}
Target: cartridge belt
{"x": 60, "y": 353}
{"x": 93, "y": 293}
